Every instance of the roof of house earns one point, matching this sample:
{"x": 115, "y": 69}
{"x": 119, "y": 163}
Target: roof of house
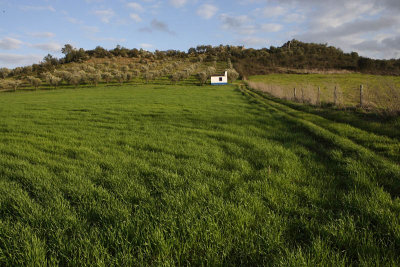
{"x": 218, "y": 75}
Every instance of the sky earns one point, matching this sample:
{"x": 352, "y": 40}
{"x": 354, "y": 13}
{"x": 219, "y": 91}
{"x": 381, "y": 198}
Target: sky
{"x": 29, "y": 30}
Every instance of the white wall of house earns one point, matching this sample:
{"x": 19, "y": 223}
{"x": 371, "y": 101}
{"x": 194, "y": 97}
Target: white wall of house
{"x": 220, "y": 79}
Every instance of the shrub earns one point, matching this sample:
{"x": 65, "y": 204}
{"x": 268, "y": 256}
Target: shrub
{"x": 75, "y": 79}
{"x": 35, "y": 82}
{"x": 203, "y": 77}
{"x": 148, "y": 76}
{"x": 14, "y": 84}
{"x": 120, "y": 77}
{"x": 53, "y": 80}
{"x": 107, "y": 77}
{"x": 232, "y": 75}
{"x": 124, "y": 68}
{"x": 4, "y": 72}
{"x": 94, "y": 77}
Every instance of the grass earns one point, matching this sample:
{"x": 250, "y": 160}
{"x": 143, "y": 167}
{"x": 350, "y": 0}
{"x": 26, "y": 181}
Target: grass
{"x": 179, "y": 175}
{"x": 380, "y": 92}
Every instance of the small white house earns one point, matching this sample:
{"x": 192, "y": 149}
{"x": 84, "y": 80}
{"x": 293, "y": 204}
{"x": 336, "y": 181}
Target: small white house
{"x": 219, "y": 79}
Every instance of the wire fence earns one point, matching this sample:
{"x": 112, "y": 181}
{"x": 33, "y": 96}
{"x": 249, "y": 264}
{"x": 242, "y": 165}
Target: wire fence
{"x": 385, "y": 98}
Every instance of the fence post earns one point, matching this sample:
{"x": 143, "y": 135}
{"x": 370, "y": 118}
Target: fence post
{"x": 361, "y": 95}
{"x": 335, "y": 96}
{"x": 294, "y": 93}
{"x": 318, "y": 96}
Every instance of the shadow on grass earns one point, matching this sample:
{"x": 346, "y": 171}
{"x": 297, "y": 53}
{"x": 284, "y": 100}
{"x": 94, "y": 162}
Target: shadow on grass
{"x": 379, "y": 123}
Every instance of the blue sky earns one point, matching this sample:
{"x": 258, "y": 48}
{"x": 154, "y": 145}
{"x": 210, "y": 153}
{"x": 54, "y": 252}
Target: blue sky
{"x": 29, "y": 30}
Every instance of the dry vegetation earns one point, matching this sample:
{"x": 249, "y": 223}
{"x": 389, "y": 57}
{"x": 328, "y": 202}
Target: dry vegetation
{"x": 379, "y": 93}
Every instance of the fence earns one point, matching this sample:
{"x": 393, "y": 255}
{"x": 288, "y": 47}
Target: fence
{"x": 386, "y": 98}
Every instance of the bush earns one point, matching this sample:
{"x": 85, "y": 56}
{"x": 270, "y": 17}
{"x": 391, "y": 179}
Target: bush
{"x": 232, "y": 75}
{"x": 203, "y": 77}
{"x": 53, "y": 80}
{"x": 4, "y": 72}
{"x": 35, "y": 82}
{"x": 107, "y": 77}
{"x": 94, "y": 77}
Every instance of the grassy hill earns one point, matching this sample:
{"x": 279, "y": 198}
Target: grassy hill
{"x": 176, "y": 175}
{"x": 94, "y": 71}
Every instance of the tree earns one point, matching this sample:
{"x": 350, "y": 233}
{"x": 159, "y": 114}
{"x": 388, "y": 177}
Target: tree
{"x": 210, "y": 71}
{"x": 53, "y": 80}
{"x": 232, "y": 75}
{"x": 75, "y": 79}
{"x": 14, "y": 84}
{"x": 72, "y": 54}
{"x": 176, "y": 77}
{"x": 129, "y": 76}
{"x": 120, "y": 77}
{"x": 94, "y": 78}
{"x": 100, "y": 52}
{"x": 136, "y": 73}
{"x": 125, "y": 68}
{"x": 35, "y": 82}
{"x": 84, "y": 76}
{"x": 148, "y": 76}
{"x": 50, "y": 60}
{"x": 230, "y": 63}
{"x": 203, "y": 77}
{"x": 67, "y": 49}
{"x": 4, "y": 72}
{"x": 107, "y": 77}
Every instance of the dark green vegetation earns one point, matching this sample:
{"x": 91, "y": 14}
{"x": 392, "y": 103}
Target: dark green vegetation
{"x": 291, "y": 57}
{"x": 175, "y": 175}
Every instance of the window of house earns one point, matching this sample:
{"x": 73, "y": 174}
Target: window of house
{"x": 220, "y": 79}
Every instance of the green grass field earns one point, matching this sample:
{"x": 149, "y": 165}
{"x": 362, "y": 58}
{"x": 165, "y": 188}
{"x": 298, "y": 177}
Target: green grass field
{"x": 179, "y": 175}
{"x": 379, "y": 91}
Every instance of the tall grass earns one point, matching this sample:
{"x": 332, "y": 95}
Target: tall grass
{"x": 188, "y": 175}
{"x": 380, "y": 93}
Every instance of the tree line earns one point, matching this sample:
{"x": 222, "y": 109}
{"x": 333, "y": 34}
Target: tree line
{"x": 108, "y": 71}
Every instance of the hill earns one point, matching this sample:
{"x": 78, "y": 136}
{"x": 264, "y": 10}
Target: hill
{"x": 123, "y": 65}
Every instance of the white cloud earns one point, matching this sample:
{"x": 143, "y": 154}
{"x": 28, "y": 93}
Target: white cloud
{"x": 42, "y": 34}
{"x": 8, "y": 43}
{"x": 105, "y": 15}
{"x": 272, "y": 11}
{"x": 240, "y": 24}
{"x": 294, "y": 17}
{"x": 135, "y": 17}
{"x": 38, "y": 8}
{"x": 146, "y": 46}
{"x": 356, "y": 27}
{"x": 157, "y": 25}
{"x": 207, "y": 11}
{"x": 52, "y": 47}
{"x": 253, "y": 42}
{"x": 369, "y": 27}
{"x": 178, "y": 3}
{"x": 135, "y": 6}
{"x": 13, "y": 60}
{"x": 234, "y": 22}
{"x": 271, "y": 27}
